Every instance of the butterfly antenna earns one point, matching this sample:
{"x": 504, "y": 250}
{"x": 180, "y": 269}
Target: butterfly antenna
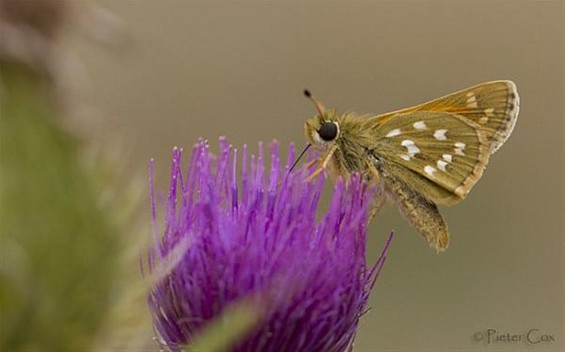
{"x": 319, "y": 106}
{"x": 301, "y": 154}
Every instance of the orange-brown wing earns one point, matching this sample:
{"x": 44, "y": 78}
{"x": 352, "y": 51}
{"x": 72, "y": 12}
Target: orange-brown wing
{"x": 492, "y": 105}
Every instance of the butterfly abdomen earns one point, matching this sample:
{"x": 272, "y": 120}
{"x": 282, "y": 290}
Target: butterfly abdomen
{"x": 421, "y": 213}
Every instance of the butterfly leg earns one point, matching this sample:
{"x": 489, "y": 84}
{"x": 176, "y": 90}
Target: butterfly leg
{"x": 310, "y": 163}
{"x": 380, "y": 196}
{"x": 378, "y": 203}
{"x": 324, "y": 164}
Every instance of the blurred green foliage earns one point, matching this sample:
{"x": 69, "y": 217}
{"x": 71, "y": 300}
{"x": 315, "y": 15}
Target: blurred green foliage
{"x": 58, "y": 244}
{"x": 68, "y": 274}
{"x": 234, "y": 324}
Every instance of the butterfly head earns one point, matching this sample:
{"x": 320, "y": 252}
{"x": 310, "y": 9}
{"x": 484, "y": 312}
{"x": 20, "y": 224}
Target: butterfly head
{"x": 321, "y": 130}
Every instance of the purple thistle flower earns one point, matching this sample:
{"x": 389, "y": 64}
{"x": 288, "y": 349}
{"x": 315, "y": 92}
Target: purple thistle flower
{"x": 256, "y": 236}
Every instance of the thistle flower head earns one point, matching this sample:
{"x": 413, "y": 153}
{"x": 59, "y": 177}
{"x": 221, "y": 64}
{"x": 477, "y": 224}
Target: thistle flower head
{"x": 254, "y": 233}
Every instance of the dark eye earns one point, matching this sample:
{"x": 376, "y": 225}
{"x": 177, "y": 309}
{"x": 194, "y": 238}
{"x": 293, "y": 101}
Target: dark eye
{"x": 328, "y": 131}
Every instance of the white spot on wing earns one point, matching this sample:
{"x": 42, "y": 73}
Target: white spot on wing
{"x": 489, "y": 112}
{"x": 447, "y": 157}
{"x": 459, "y": 147}
{"x": 429, "y": 170}
{"x": 440, "y": 135}
{"x": 420, "y": 125}
{"x": 393, "y": 133}
{"x": 405, "y": 157}
{"x": 411, "y": 147}
{"x": 471, "y": 100}
{"x": 441, "y": 164}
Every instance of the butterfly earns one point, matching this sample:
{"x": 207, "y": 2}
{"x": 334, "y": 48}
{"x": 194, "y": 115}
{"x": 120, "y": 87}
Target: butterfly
{"x": 419, "y": 157}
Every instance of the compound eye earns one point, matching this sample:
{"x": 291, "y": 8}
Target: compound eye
{"x": 328, "y": 131}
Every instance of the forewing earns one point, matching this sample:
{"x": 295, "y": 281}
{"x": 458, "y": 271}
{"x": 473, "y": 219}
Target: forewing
{"x": 442, "y": 155}
{"x": 492, "y": 105}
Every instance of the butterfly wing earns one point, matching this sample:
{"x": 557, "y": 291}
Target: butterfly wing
{"x": 441, "y": 155}
{"x": 492, "y": 105}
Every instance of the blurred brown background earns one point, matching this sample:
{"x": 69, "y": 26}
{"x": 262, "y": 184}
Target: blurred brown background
{"x": 195, "y": 69}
